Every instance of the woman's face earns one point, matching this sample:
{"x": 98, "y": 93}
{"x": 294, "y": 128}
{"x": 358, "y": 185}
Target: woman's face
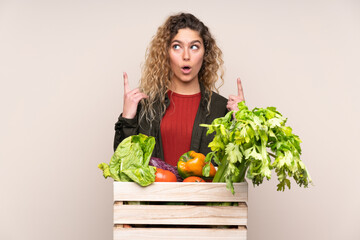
{"x": 186, "y": 56}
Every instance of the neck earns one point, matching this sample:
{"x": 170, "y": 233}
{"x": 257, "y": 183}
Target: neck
{"x": 186, "y": 88}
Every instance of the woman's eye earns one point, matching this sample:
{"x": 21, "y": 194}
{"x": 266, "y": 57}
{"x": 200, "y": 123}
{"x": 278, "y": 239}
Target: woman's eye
{"x": 176, "y": 46}
{"x": 194, "y": 47}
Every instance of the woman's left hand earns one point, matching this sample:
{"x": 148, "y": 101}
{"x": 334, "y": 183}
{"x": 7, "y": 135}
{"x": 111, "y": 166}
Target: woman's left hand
{"x": 232, "y": 104}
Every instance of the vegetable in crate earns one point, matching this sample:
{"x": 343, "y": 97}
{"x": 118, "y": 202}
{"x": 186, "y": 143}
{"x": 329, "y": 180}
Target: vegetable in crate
{"x": 241, "y": 147}
{"x": 130, "y": 161}
{"x": 163, "y": 175}
{"x": 192, "y": 163}
{"x": 193, "y": 179}
{"x": 158, "y": 163}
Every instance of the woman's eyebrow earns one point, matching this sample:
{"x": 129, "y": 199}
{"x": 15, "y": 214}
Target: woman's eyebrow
{"x": 192, "y": 42}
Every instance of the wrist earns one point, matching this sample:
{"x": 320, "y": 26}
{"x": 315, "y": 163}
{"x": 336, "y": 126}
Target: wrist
{"x": 128, "y": 116}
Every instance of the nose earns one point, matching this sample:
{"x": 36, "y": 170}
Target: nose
{"x": 186, "y": 54}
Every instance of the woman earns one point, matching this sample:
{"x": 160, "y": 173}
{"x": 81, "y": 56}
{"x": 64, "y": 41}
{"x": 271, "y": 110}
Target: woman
{"x": 176, "y": 91}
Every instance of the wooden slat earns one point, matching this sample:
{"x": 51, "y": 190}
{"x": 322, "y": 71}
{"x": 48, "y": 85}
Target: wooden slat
{"x": 180, "y": 214}
{"x": 179, "y": 234}
{"x": 180, "y": 192}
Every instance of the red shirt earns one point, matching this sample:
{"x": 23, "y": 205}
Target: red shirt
{"x": 177, "y": 125}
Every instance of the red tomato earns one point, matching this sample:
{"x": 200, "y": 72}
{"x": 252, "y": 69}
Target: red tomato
{"x": 162, "y": 175}
{"x": 193, "y": 179}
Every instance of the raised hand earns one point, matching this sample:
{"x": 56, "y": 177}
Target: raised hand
{"x": 233, "y": 101}
{"x": 131, "y": 99}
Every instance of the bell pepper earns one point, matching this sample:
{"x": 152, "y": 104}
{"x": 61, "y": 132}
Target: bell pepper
{"x": 191, "y": 164}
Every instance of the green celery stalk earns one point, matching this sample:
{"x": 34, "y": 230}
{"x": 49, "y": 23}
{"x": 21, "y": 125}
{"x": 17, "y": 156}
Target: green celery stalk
{"x": 240, "y": 147}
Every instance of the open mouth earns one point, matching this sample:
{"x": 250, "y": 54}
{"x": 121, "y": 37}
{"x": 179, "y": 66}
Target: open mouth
{"x": 186, "y": 69}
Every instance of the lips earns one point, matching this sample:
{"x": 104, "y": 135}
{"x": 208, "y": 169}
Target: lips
{"x": 186, "y": 69}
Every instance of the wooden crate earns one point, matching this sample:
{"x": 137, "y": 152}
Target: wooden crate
{"x": 159, "y": 218}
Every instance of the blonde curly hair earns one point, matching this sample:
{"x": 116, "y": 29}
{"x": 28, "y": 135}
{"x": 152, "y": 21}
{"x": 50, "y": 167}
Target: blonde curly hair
{"x": 156, "y": 72}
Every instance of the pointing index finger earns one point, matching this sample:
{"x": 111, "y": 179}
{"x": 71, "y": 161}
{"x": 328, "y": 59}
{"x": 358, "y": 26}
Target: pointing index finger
{"x": 126, "y": 83}
{"x": 240, "y": 89}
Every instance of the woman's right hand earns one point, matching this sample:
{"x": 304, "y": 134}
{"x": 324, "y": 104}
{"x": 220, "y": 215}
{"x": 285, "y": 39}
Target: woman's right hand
{"x": 131, "y": 99}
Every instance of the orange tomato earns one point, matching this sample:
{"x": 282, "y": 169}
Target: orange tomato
{"x": 193, "y": 179}
{"x": 162, "y": 175}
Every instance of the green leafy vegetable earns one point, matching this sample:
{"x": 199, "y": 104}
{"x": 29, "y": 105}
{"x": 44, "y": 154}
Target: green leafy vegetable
{"x": 244, "y": 146}
{"x": 130, "y": 161}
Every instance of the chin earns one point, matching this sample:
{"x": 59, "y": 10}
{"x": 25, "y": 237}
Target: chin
{"x": 187, "y": 79}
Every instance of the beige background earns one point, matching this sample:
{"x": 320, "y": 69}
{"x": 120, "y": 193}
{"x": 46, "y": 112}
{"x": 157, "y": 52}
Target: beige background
{"x": 61, "y": 64}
